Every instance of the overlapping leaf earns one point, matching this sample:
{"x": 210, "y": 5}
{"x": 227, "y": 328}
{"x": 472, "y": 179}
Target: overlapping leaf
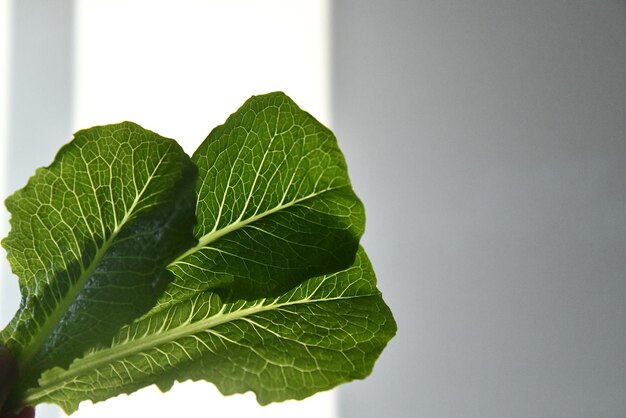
{"x": 275, "y": 205}
{"x": 90, "y": 237}
{"x": 326, "y": 331}
{"x": 269, "y": 292}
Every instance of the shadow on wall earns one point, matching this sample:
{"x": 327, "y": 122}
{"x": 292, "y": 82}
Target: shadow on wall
{"x": 487, "y": 141}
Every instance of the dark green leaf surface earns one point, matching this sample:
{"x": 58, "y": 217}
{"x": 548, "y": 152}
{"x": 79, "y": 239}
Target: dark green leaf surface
{"x": 268, "y": 292}
{"x": 326, "y": 331}
{"x": 275, "y": 205}
{"x": 90, "y": 237}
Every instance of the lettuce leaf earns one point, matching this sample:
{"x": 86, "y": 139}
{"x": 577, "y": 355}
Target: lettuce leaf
{"x": 240, "y": 266}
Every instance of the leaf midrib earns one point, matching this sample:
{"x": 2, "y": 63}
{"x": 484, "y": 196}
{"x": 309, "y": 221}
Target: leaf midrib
{"x": 64, "y": 304}
{"x": 216, "y": 234}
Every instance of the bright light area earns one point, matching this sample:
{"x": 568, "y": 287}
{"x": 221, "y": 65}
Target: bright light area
{"x": 180, "y": 68}
{"x": 201, "y": 399}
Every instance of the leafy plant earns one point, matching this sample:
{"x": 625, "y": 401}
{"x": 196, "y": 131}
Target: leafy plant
{"x": 240, "y": 265}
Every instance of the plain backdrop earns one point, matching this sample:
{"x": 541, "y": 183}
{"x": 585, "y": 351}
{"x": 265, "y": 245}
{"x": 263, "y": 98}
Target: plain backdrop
{"x": 487, "y": 140}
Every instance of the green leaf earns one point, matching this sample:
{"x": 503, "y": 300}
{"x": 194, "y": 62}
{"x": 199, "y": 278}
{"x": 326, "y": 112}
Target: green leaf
{"x": 326, "y": 331}
{"x": 268, "y": 292}
{"x": 275, "y": 205}
{"x": 90, "y": 238}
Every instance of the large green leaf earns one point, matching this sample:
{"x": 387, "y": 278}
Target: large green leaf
{"x": 326, "y": 331}
{"x": 275, "y": 205}
{"x": 90, "y": 238}
{"x": 269, "y": 292}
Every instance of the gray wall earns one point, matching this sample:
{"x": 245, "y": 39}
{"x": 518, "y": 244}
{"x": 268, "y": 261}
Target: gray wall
{"x": 488, "y": 141}
{"x": 40, "y": 108}
{"x": 40, "y": 105}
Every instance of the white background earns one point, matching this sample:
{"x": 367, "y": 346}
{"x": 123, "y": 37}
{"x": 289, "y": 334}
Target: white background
{"x": 179, "y": 69}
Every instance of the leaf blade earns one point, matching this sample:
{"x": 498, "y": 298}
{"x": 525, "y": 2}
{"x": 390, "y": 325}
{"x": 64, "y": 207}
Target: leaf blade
{"x": 90, "y": 237}
{"x": 275, "y": 205}
{"x": 326, "y": 331}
